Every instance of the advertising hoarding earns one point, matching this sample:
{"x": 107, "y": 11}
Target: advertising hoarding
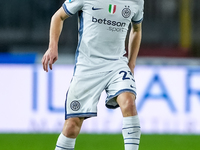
{"x": 31, "y": 100}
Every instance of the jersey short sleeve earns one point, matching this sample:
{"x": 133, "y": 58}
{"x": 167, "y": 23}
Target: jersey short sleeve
{"x": 138, "y": 17}
{"x": 72, "y": 6}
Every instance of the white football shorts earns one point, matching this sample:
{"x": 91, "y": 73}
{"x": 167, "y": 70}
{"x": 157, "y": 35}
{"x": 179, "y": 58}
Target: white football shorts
{"x": 85, "y": 91}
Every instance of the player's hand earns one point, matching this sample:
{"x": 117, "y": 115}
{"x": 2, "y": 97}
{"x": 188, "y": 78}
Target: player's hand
{"x": 49, "y": 58}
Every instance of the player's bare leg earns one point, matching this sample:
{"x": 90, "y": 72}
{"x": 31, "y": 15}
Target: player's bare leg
{"x": 67, "y": 138}
{"x": 127, "y": 105}
{"x": 131, "y": 125}
{"x": 72, "y": 127}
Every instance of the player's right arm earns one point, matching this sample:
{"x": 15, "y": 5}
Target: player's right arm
{"x": 51, "y": 55}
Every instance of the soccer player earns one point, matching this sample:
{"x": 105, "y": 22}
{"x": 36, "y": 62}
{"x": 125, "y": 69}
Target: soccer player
{"x": 100, "y": 64}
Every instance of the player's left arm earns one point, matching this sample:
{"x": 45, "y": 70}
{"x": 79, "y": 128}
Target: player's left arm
{"x": 134, "y": 45}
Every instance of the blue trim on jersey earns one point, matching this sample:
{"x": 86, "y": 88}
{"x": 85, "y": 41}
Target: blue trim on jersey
{"x": 137, "y": 22}
{"x": 119, "y": 92}
{"x": 80, "y": 14}
{"x": 66, "y": 10}
{"x": 85, "y": 115}
{"x": 115, "y": 95}
{"x": 66, "y": 104}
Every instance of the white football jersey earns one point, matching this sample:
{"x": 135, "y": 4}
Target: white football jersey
{"x": 103, "y": 25}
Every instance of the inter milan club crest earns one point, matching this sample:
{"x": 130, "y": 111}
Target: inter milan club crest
{"x": 126, "y": 12}
{"x": 112, "y": 8}
{"x": 75, "y": 105}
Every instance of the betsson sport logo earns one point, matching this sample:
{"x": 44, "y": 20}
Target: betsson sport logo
{"x": 114, "y": 26}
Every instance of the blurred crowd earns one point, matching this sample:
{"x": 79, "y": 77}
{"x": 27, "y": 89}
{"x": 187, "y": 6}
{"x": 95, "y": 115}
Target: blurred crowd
{"x": 24, "y": 26}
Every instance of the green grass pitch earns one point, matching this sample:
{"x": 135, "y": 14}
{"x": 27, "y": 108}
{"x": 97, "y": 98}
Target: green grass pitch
{"x": 99, "y": 142}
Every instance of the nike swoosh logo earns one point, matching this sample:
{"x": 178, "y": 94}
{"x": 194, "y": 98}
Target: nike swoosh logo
{"x": 132, "y": 132}
{"x": 96, "y": 8}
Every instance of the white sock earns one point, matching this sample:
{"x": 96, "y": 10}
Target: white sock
{"x": 131, "y": 132}
{"x": 65, "y": 143}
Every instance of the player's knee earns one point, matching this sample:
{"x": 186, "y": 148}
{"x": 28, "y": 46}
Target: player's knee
{"x": 127, "y": 100}
{"x": 71, "y": 129}
{"x": 127, "y": 104}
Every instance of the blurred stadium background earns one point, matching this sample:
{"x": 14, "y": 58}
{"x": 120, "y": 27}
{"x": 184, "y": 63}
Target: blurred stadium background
{"x": 167, "y": 75}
